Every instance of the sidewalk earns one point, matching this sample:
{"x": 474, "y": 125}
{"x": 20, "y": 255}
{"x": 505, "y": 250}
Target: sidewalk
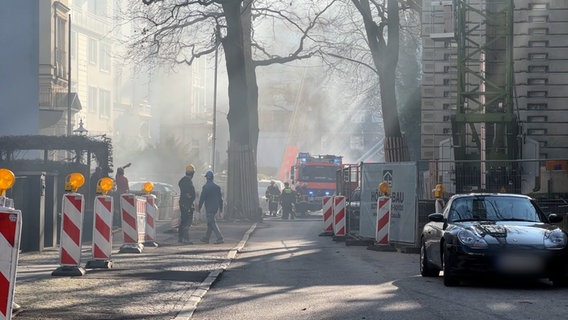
{"x": 164, "y": 282}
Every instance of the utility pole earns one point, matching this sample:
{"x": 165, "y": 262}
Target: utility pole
{"x": 69, "y": 132}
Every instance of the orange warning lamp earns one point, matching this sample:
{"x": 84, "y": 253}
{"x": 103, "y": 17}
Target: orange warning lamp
{"x": 7, "y": 179}
{"x": 439, "y": 190}
{"x": 148, "y": 187}
{"x": 74, "y": 181}
{"x": 384, "y": 188}
{"x": 104, "y": 185}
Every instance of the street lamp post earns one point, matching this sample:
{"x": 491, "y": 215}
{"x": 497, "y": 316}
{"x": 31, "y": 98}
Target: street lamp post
{"x": 214, "y": 134}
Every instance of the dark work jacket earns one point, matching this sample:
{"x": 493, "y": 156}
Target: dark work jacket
{"x": 288, "y": 197}
{"x": 211, "y": 197}
{"x": 187, "y": 192}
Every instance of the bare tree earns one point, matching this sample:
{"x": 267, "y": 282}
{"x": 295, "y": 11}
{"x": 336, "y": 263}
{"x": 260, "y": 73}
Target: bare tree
{"x": 379, "y": 52}
{"x": 178, "y": 31}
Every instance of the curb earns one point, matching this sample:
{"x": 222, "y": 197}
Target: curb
{"x": 197, "y": 295}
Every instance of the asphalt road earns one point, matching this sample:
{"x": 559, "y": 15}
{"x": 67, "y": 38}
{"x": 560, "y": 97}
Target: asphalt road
{"x": 287, "y": 271}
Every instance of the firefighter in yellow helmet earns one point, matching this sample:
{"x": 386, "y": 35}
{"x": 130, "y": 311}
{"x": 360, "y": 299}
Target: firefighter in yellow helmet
{"x": 186, "y": 204}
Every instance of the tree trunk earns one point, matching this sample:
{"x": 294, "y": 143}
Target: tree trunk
{"x": 385, "y": 58}
{"x": 242, "y": 195}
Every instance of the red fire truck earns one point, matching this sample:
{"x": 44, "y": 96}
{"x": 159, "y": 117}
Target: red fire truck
{"x": 316, "y": 177}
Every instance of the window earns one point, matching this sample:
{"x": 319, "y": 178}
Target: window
{"x": 450, "y": 82}
{"x": 446, "y": 131}
{"x": 104, "y": 100}
{"x": 538, "y": 44}
{"x": 538, "y": 31}
{"x": 538, "y": 6}
{"x": 536, "y": 132}
{"x": 104, "y": 56}
{"x": 537, "y": 106}
{"x": 74, "y": 44}
{"x": 449, "y": 69}
{"x": 538, "y": 69}
{"x": 92, "y": 99}
{"x": 538, "y": 56}
{"x": 537, "y": 119}
{"x": 93, "y": 51}
{"x": 538, "y": 18}
{"x": 537, "y": 81}
{"x": 446, "y": 118}
{"x": 543, "y": 144}
{"x": 537, "y": 94}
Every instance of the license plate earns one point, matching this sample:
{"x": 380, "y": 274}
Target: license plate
{"x": 520, "y": 264}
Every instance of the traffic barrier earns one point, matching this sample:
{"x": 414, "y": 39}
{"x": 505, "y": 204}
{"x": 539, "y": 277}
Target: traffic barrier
{"x": 151, "y": 213}
{"x": 10, "y": 235}
{"x": 327, "y": 208}
{"x": 133, "y": 212}
{"x": 102, "y": 233}
{"x": 383, "y": 217}
{"x": 439, "y": 205}
{"x": 73, "y": 206}
{"x": 338, "y": 217}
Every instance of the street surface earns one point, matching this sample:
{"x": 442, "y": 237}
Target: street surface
{"x": 287, "y": 271}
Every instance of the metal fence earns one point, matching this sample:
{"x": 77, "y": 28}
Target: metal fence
{"x": 541, "y": 179}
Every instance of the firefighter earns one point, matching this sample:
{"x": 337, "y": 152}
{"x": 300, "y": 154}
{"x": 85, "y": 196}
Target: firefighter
{"x": 288, "y": 201}
{"x": 302, "y": 198}
{"x": 273, "y": 197}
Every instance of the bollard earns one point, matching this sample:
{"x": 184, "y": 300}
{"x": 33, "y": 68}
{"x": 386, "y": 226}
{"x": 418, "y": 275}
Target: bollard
{"x": 102, "y": 233}
{"x": 133, "y": 211}
{"x": 73, "y": 207}
{"x": 383, "y": 217}
{"x": 338, "y": 218}
{"x": 327, "y": 208}
{"x": 10, "y": 235}
{"x": 151, "y": 211}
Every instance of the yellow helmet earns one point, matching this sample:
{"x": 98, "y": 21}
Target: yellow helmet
{"x": 190, "y": 168}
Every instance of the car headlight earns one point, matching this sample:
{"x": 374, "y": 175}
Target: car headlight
{"x": 555, "y": 239}
{"x": 472, "y": 240}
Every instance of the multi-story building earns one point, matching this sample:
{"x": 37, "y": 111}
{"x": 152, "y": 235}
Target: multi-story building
{"x": 540, "y": 73}
{"x": 34, "y": 92}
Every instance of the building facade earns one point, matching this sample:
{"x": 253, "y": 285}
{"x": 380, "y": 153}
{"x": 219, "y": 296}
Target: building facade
{"x": 35, "y": 96}
{"x": 540, "y": 75}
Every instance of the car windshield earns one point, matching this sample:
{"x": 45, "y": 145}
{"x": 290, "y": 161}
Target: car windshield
{"x": 492, "y": 208}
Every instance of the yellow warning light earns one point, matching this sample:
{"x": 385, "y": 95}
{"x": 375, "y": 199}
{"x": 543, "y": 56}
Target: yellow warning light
{"x": 148, "y": 187}
{"x": 7, "y": 179}
{"x": 105, "y": 185}
{"x": 74, "y": 181}
{"x": 384, "y": 188}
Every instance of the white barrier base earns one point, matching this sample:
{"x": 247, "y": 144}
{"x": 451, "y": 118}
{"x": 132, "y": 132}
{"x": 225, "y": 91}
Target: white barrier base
{"x": 98, "y": 264}
{"x": 151, "y": 244}
{"x": 131, "y": 248}
{"x": 69, "y": 271}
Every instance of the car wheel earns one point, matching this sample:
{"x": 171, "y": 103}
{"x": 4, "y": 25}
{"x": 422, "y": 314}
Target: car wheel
{"x": 450, "y": 280}
{"x": 426, "y": 268}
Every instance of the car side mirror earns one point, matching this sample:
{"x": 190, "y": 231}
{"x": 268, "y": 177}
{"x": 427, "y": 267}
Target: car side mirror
{"x": 554, "y": 218}
{"x": 436, "y": 217}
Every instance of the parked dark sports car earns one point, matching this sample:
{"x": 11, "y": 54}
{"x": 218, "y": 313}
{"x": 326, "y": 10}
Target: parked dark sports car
{"x": 493, "y": 234}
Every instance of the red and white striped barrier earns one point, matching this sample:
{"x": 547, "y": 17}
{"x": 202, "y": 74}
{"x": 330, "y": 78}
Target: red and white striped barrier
{"x": 339, "y": 216}
{"x": 151, "y": 213}
{"x": 133, "y": 210}
{"x": 102, "y": 233}
{"x": 439, "y": 205}
{"x": 383, "y": 217}
{"x": 327, "y": 208}
{"x": 73, "y": 206}
{"x": 10, "y": 231}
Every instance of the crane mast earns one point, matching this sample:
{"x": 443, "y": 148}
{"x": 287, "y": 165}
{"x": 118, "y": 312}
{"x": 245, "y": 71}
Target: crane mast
{"x": 485, "y": 128}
